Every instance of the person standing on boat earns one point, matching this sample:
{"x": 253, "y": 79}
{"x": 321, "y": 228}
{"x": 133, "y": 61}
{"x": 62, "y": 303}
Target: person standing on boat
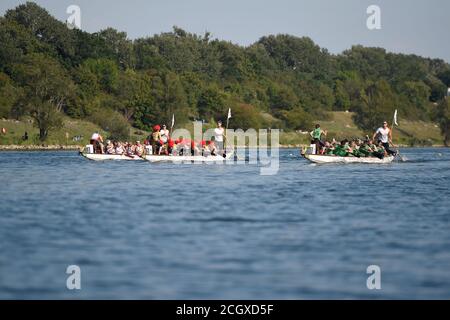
{"x": 156, "y": 140}
{"x": 97, "y": 142}
{"x": 218, "y": 136}
{"x": 164, "y": 134}
{"x": 384, "y": 135}
{"x": 316, "y": 136}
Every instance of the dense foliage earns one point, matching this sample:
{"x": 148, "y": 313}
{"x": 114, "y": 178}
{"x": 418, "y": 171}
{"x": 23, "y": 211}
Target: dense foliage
{"x": 279, "y": 81}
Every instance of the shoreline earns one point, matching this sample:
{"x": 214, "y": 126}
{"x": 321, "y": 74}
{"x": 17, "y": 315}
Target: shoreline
{"x": 14, "y": 147}
{"x": 78, "y": 147}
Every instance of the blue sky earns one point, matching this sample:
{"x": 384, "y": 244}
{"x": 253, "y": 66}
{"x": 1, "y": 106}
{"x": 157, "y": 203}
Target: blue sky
{"x": 420, "y": 27}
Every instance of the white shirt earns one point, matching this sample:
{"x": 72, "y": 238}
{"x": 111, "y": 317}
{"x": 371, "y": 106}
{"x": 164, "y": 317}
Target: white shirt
{"x": 95, "y": 136}
{"x": 164, "y": 135}
{"x": 218, "y": 134}
{"x": 384, "y": 134}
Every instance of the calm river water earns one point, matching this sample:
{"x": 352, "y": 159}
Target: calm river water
{"x": 164, "y": 231}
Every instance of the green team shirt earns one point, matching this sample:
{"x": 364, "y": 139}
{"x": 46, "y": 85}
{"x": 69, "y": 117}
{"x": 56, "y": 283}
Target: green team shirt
{"x": 364, "y": 149}
{"x": 317, "y": 133}
{"x": 340, "y": 151}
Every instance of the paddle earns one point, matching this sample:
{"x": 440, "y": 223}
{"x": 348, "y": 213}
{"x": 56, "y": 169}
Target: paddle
{"x": 225, "y": 135}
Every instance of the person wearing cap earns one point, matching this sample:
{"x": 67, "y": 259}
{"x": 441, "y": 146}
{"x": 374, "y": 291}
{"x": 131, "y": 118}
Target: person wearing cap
{"x": 384, "y": 135}
{"x": 156, "y": 140}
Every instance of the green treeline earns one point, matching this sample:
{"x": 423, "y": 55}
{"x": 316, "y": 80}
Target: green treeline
{"x": 282, "y": 81}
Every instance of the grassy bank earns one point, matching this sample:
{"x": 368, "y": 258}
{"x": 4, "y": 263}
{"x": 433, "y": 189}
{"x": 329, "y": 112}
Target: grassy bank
{"x": 73, "y": 133}
{"x": 77, "y": 133}
{"x": 341, "y": 125}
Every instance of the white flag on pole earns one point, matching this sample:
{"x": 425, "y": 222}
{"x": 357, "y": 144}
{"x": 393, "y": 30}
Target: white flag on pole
{"x": 173, "y": 119}
{"x": 395, "y": 117}
{"x": 229, "y": 113}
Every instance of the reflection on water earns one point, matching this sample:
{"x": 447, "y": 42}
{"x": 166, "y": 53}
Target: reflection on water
{"x": 141, "y": 230}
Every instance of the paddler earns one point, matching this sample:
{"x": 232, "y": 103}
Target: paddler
{"x": 341, "y": 150}
{"x": 379, "y": 151}
{"x": 139, "y": 149}
{"x": 384, "y": 135}
{"x": 118, "y": 148}
{"x": 365, "y": 149}
{"x": 316, "y": 136}
{"x": 109, "y": 147}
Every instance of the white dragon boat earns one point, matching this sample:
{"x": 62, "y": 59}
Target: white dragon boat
{"x": 155, "y": 158}
{"x": 344, "y": 160}
{"x": 88, "y": 153}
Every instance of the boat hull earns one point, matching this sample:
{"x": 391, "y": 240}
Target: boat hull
{"x": 187, "y": 159}
{"x": 322, "y": 159}
{"x": 104, "y": 157}
{"x": 155, "y": 158}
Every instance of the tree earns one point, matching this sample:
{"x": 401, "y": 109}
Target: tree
{"x": 9, "y": 94}
{"x": 418, "y": 95}
{"x": 281, "y": 98}
{"x": 59, "y": 39}
{"x": 444, "y": 76}
{"x": 106, "y": 72}
{"x": 283, "y": 78}
{"x": 117, "y": 46}
{"x": 342, "y": 102}
{"x": 442, "y": 116}
{"x": 376, "y": 104}
{"x": 112, "y": 122}
{"x": 46, "y": 90}
{"x": 297, "y": 119}
{"x": 133, "y": 91}
{"x": 246, "y": 116}
{"x": 211, "y": 103}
